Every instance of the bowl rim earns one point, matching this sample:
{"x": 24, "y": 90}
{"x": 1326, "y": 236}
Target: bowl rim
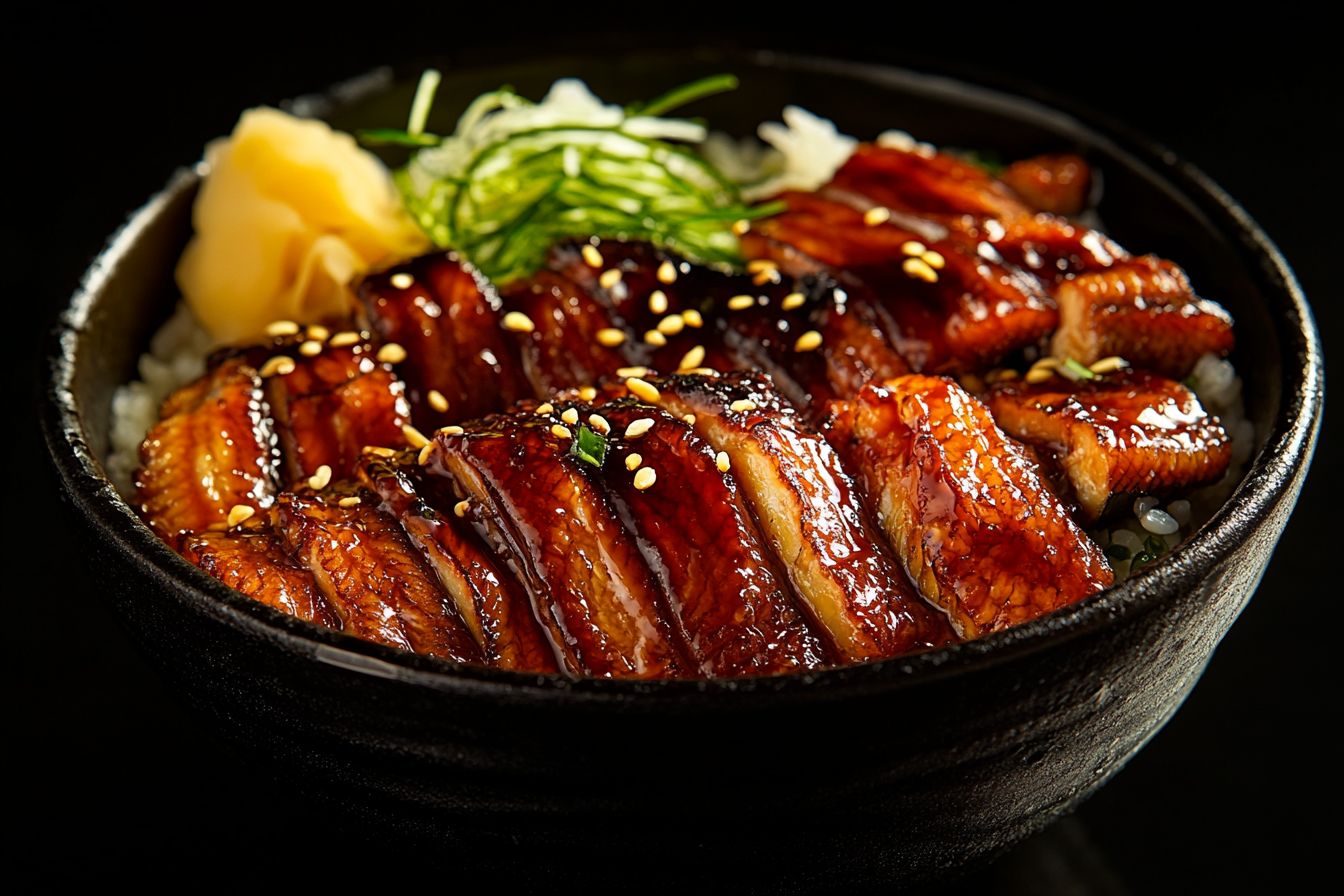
{"x": 1274, "y": 476}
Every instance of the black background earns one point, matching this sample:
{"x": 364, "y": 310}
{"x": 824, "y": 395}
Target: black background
{"x": 111, "y": 777}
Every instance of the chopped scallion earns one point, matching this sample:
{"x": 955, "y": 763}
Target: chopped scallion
{"x": 589, "y": 447}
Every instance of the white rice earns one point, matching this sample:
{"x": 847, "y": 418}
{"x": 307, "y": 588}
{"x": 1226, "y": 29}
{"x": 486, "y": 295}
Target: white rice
{"x": 176, "y": 356}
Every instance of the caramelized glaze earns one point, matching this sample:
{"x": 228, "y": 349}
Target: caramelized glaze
{"x": 1125, "y": 434}
{"x": 979, "y": 532}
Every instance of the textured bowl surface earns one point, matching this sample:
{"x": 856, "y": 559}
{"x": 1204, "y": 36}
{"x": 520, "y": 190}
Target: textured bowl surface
{"x": 896, "y": 772}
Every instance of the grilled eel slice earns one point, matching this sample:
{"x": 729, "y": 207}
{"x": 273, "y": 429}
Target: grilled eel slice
{"x": 976, "y": 527}
{"x": 809, "y": 515}
{"x": 210, "y": 452}
{"x": 947, "y": 305}
{"x": 252, "y": 559}
{"x": 1116, "y": 436}
{"x": 375, "y": 581}
{"x": 1105, "y": 314}
{"x": 553, "y": 527}
{"x": 447, "y": 318}
{"x": 724, "y": 591}
{"x": 677, "y": 317}
{"x": 487, "y": 596}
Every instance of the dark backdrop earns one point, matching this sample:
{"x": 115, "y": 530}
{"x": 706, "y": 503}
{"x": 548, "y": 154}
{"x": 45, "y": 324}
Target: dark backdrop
{"x": 110, "y": 776}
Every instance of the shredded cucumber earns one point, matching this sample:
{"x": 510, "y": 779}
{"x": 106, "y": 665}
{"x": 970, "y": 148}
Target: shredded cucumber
{"x": 515, "y": 177}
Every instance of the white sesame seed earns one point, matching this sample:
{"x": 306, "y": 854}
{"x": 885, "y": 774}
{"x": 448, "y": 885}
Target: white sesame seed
{"x": 402, "y": 280}
{"x": 610, "y": 336}
{"x": 599, "y": 423}
{"x": 756, "y": 265}
{"x": 318, "y": 332}
{"x": 320, "y": 479}
{"x": 721, "y": 461}
{"x": 461, "y": 507}
{"x": 414, "y": 437}
{"x": 653, "y": 337}
{"x": 587, "y": 393}
{"x": 632, "y": 371}
{"x": 633, "y": 460}
{"x": 638, "y": 427}
{"x": 1108, "y": 365}
{"x": 809, "y": 341}
{"x": 919, "y": 269}
{"x": 793, "y": 300}
{"x": 344, "y": 338}
{"x": 658, "y": 301}
{"x": 692, "y": 318}
{"x": 544, "y": 408}
{"x": 450, "y": 430}
{"x": 518, "y": 322}
{"x": 693, "y": 358}
{"x": 570, "y": 416}
{"x": 391, "y": 354}
{"x": 609, "y": 278}
{"x": 1038, "y": 375}
{"x": 425, "y": 453}
{"x": 934, "y": 259}
{"x": 1047, "y": 363}
{"x": 740, "y": 303}
{"x": 741, "y": 226}
{"x": 644, "y": 391}
{"x": 282, "y": 328}
{"x": 592, "y": 256}
{"x": 878, "y": 214}
{"x": 240, "y": 513}
{"x": 688, "y": 418}
{"x": 671, "y": 325}
{"x": 311, "y": 348}
{"x": 742, "y": 404}
{"x": 667, "y": 273}
{"x": 379, "y": 451}
{"x": 764, "y": 277}
{"x": 561, "y": 432}
{"x": 702, "y": 371}
{"x": 437, "y": 401}
{"x": 646, "y": 477}
{"x": 348, "y": 502}
{"x": 280, "y": 365}
{"x": 913, "y": 247}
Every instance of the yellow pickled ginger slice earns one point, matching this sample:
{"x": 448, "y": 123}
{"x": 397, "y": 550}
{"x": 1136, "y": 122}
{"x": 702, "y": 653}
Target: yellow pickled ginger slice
{"x": 290, "y": 212}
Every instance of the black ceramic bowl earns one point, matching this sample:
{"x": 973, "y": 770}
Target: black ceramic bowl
{"x": 895, "y": 772}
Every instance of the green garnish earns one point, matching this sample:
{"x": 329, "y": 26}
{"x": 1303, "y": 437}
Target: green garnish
{"x": 589, "y": 446}
{"x": 1191, "y": 382}
{"x": 1153, "y": 548}
{"x": 1078, "y": 370}
{"x": 986, "y": 160}
{"x": 1116, "y": 552}
{"x": 414, "y": 135}
{"x": 515, "y": 177}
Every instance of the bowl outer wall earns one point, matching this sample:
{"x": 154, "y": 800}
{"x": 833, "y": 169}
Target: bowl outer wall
{"x": 929, "y": 760}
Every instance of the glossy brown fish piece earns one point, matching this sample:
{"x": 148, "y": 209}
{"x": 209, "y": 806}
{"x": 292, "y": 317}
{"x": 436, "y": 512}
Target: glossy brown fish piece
{"x": 1125, "y": 434}
{"x": 488, "y": 598}
{"x": 447, "y": 317}
{"x": 1144, "y": 311}
{"x": 730, "y": 601}
{"x": 1057, "y": 183}
{"x": 948, "y": 306}
{"x": 254, "y": 560}
{"x": 331, "y": 406}
{"x": 211, "y": 452}
{"x": 810, "y": 516}
{"x": 373, "y": 579}
{"x": 922, "y": 181}
{"x": 721, "y": 336}
{"x": 976, "y": 527}
{"x": 562, "y": 350}
{"x": 554, "y": 527}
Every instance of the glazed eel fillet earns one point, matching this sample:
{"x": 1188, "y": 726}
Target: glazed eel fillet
{"x": 975, "y": 526}
{"x": 1116, "y": 436}
{"x": 810, "y": 515}
{"x": 1110, "y": 302}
